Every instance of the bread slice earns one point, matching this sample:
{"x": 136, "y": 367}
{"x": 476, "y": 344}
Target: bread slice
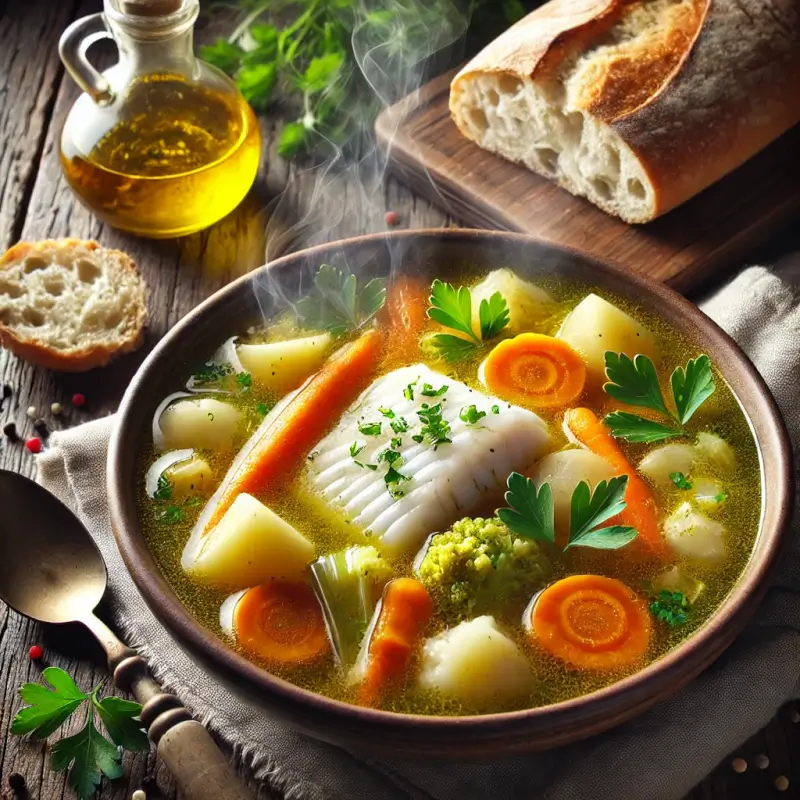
{"x": 636, "y": 105}
{"x": 70, "y": 305}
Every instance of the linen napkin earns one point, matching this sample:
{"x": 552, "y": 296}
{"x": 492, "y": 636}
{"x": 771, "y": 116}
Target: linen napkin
{"x": 661, "y": 754}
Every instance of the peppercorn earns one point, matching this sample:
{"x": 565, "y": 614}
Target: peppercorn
{"x": 78, "y": 400}
{"x": 40, "y": 425}
{"x": 35, "y": 653}
{"x": 138, "y": 795}
{"x": 391, "y": 218}
{"x": 32, "y": 412}
{"x": 10, "y": 430}
{"x": 34, "y": 445}
{"x": 16, "y": 781}
{"x": 56, "y": 409}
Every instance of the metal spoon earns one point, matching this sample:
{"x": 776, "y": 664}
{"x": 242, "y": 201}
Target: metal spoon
{"x": 51, "y": 571}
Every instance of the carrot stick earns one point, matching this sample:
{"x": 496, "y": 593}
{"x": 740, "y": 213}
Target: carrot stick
{"x": 281, "y": 622}
{"x": 404, "y": 612}
{"x": 591, "y": 622}
{"x": 640, "y": 512}
{"x": 535, "y": 370}
{"x": 304, "y": 421}
{"x": 404, "y": 317}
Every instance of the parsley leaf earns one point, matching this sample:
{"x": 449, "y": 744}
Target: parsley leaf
{"x": 588, "y": 510}
{"x": 531, "y": 512}
{"x": 244, "y": 379}
{"x": 452, "y": 308}
{"x": 357, "y": 447}
{"x": 434, "y": 427}
{"x": 471, "y": 415}
{"x": 170, "y": 515}
{"x": 452, "y": 347}
{"x": 399, "y": 425}
{"x": 262, "y": 409}
{"x": 121, "y": 720}
{"x": 86, "y": 754}
{"x": 680, "y": 480}
{"x": 495, "y": 409}
{"x": 211, "y": 373}
{"x": 337, "y": 303}
{"x": 163, "y": 488}
{"x": 370, "y": 428}
{"x": 634, "y": 381}
{"x": 387, "y": 412}
{"x": 692, "y": 386}
{"x": 671, "y": 607}
{"x": 408, "y": 392}
{"x": 494, "y": 316}
{"x": 633, "y": 428}
{"x": 47, "y": 709}
{"x": 397, "y": 443}
{"x": 721, "y": 497}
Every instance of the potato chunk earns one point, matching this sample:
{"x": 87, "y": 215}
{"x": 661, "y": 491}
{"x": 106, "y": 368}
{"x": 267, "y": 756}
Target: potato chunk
{"x": 528, "y": 305}
{"x": 695, "y": 536}
{"x": 564, "y": 471}
{"x": 283, "y": 366}
{"x": 676, "y": 580}
{"x": 251, "y": 545}
{"x": 595, "y": 326}
{"x": 661, "y": 462}
{"x": 191, "y": 476}
{"x": 202, "y": 424}
{"x": 716, "y": 451}
{"x": 476, "y": 664}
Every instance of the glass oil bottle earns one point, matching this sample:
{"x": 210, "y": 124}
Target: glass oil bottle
{"x": 161, "y": 144}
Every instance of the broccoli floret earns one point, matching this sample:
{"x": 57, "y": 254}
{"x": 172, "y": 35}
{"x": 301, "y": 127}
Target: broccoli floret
{"x": 480, "y": 562}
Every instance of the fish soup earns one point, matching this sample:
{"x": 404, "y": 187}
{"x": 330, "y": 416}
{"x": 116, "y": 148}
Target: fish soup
{"x": 453, "y": 497}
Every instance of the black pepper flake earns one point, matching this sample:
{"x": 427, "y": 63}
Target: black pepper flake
{"x": 10, "y": 430}
{"x": 16, "y": 781}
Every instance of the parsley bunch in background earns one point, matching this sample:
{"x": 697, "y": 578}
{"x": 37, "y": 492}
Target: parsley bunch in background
{"x": 334, "y": 63}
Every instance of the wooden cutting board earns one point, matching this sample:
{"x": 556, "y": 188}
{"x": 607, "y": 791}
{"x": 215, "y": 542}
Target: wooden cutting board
{"x": 684, "y": 248}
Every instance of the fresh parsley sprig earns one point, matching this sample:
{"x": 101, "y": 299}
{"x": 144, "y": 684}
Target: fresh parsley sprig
{"x": 88, "y": 755}
{"x": 634, "y": 381}
{"x": 338, "y": 304}
{"x": 452, "y": 308}
{"x": 531, "y": 513}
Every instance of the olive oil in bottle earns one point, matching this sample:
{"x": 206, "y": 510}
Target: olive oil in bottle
{"x": 161, "y": 144}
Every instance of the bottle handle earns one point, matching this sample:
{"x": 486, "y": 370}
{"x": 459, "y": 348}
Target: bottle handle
{"x": 72, "y": 47}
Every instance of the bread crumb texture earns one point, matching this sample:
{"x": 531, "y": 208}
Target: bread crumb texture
{"x": 70, "y": 305}
{"x": 631, "y": 104}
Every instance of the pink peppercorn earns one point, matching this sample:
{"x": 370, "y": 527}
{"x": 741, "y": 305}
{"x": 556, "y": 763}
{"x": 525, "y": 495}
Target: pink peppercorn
{"x": 391, "y": 218}
{"x": 35, "y": 652}
{"x": 78, "y": 400}
{"x": 34, "y": 445}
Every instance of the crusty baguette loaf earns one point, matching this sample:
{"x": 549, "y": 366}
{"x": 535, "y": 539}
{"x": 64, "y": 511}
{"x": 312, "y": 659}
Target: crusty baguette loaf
{"x": 636, "y": 105}
{"x": 70, "y": 305}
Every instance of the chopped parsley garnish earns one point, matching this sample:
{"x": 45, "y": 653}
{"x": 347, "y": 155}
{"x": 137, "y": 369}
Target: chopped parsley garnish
{"x": 163, "y": 488}
{"x": 263, "y": 409}
{"x": 471, "y": 415}
{"x": 397, "y": 442}
{"x": 389, "y": 456}
{"x": 387, "y": 412}
{"x": 671, "y": 607}
{"x": 170, "y": 515}
{"x": 495, "y": 409}
{"x": 244, "y": 379}
{"x": 356, "y": 448}
{"x": 211, "y": 373}
{"x": 680, "y": 480}
{"x": 370, "y": 428}
{"x": 452, "y": 308}
{"x": 635, "y": 382}
{"x": 393, "y": 479}
{"x": 531, "y": 513}
{"x": 435, "y": 428}
{"x": 373, "y": 467}
{"x": 721, "y": 497}
{"x": 408, "y": 392}
{"x": 338, "y": 304}
{"x": 429, "y": 391}
{"x": 399, "y": 425}
{"x": 418, "y": 438}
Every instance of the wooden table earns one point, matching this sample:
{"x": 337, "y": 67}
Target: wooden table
{"x": 35, "y": 203}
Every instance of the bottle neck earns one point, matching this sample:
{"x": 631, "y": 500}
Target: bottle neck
{"x": 155, "y": 44}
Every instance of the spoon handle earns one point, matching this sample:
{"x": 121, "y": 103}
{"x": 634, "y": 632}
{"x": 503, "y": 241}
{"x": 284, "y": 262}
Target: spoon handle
{"x": 186, "y": 747}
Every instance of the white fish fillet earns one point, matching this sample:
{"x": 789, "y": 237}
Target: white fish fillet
{"x": 446, "y": 483}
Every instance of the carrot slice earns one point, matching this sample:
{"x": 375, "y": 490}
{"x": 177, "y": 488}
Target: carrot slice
{"x": 404, "y": 317}
{"x": 303, "y": 422}
{"x": 640, "y": 511}
{"x": 592, "y": 622}
{"x": 281, "y": 622}
{"x": 535, "y": 370}
{"x": 406, "y": 608}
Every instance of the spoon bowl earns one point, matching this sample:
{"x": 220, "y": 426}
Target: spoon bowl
{"x": 50, "y": 569}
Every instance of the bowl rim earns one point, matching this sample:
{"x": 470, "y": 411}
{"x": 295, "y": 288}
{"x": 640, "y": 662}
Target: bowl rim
{"x": 683, "y": 663}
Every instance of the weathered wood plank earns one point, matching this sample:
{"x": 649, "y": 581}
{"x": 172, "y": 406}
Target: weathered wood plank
{"x": 30, "y": 72}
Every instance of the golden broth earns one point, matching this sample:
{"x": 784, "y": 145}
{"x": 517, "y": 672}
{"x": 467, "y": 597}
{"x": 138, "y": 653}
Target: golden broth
{"x": 328, "y": 531}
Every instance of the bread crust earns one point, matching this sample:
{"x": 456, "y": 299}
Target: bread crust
{"x": 717, "y": 84}
{"x": 90, "y": 355}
